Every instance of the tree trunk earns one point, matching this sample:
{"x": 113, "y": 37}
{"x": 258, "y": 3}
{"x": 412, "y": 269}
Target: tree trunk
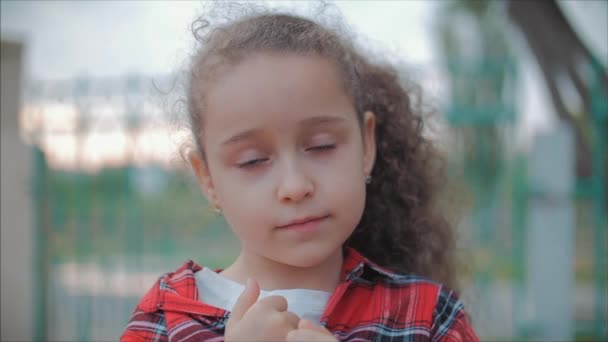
{"x": 561, "y": 56}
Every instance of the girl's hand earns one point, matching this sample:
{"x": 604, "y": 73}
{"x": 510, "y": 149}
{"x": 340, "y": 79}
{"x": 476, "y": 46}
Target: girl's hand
{"x": 308, "y": 331}
{"x": 266, "y": 320}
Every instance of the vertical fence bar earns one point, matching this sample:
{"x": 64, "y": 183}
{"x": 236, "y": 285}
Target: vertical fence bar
{"x": 40, "y": 268}
{"x": 599, "y": 117}
{"x": 520, "y": 206}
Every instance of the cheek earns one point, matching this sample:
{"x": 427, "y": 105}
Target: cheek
{"x": 243, "y": 207}
{"x": 344, "y": 183}
{"x": 348, "y": 192}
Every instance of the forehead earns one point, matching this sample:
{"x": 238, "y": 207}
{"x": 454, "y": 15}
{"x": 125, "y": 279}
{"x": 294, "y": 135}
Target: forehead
{"x": 274, "y": 89}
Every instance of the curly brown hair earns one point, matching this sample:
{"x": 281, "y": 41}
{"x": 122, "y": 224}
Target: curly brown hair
{"x": 400, "y": 228}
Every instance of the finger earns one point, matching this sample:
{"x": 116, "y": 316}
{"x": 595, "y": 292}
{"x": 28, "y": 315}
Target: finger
{"x": 309, "y": 336}
{"x": 247, "y": 298}
{"x": 278, "y": 303}
{"x": 292, "y": 318}
{"x": 308, "y": 325}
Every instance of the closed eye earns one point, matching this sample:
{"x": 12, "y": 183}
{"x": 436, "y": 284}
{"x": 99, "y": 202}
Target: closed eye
{"x": 321, "y": 147}
{"x": 252, "y": 163}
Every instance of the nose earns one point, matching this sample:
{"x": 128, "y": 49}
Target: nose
{"x": 295, "y": 185}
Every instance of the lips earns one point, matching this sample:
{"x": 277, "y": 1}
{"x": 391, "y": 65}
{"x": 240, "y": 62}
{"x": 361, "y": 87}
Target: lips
{"x": 303, "y": 221}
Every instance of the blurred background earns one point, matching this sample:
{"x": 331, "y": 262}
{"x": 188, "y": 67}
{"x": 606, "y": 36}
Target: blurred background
{"x": 96, "y": 202}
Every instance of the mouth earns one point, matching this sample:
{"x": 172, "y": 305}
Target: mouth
{"x": 304, "y": 223}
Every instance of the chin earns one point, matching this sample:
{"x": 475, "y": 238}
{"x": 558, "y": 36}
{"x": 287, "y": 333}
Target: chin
{"x": 307, "y": 256}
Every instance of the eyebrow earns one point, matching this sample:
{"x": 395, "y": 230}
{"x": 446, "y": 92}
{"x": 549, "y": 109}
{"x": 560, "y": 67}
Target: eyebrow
{"x": 312, "y": 121}
{"x": 322, "y": 119}
{"x": 241, "y": 136}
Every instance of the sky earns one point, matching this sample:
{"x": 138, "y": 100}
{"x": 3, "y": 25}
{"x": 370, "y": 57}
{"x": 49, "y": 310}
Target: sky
{"x": 65, "y": 39}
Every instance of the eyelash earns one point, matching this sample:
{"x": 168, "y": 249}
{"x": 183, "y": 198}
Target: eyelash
{"x": 322, "y": 147}
{"x": 255, "y": 162}
{"x": 252, "y": 163}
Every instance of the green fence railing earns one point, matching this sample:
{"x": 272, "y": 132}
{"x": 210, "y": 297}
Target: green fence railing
{"x": 105, "y": 234}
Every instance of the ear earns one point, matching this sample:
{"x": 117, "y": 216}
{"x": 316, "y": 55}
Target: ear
{"x": 369, "y": 142}
{"x": 204, "y": 177}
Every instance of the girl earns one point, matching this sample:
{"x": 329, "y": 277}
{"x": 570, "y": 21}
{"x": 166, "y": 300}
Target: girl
{"x": 315, "y": 156}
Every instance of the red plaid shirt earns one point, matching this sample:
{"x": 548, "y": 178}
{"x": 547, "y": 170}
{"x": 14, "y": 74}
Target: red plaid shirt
{"x": 369, "y": 304}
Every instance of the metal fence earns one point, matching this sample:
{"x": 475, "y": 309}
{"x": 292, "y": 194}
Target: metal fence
{"x": 112, "y": 215}
{"x": 111, "y": 218}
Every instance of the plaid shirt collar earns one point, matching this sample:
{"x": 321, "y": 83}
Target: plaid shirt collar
{"x": 369, "y": 303}
{"x": 178, "y": 291}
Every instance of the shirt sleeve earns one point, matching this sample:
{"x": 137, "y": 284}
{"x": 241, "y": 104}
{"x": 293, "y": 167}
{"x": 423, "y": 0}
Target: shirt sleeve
{"x": 450, "y": 322}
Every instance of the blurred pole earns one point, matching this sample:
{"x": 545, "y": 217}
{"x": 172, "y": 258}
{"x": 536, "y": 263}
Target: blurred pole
{"x": 39, "y": 181}
{"x": 17, "y": 226}
{"x": 599, "y": 115}
{"x": 551, "y": 236}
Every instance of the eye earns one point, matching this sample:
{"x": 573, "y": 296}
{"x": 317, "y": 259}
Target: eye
{"x": 322, "y": 147}
{"x": 251, "y": 163}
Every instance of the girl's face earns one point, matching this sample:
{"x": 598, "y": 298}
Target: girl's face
{"x": 283, "y": 146}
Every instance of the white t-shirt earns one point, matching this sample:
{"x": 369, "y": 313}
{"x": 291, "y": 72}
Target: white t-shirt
{"x": 219, "y": 291}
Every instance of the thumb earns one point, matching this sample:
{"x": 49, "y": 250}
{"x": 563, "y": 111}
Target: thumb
{"x": 306, "y": 324}
{"x": 247, "y": 298}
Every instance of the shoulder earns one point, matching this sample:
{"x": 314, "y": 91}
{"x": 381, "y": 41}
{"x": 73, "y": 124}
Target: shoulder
{"x": 450, "y": 321}
{"x": 180, "y": 282}
{"x": 424, "y": 303}
{"x": 366, "y": 273}
{"x": 148, "y": 321}
{"x": 404, "y": 298}
{"x": 145, "y": 326}
{"x": 411, "y": 303}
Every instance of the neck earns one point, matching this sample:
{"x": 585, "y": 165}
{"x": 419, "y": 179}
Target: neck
{"x": 273, "y": 275}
